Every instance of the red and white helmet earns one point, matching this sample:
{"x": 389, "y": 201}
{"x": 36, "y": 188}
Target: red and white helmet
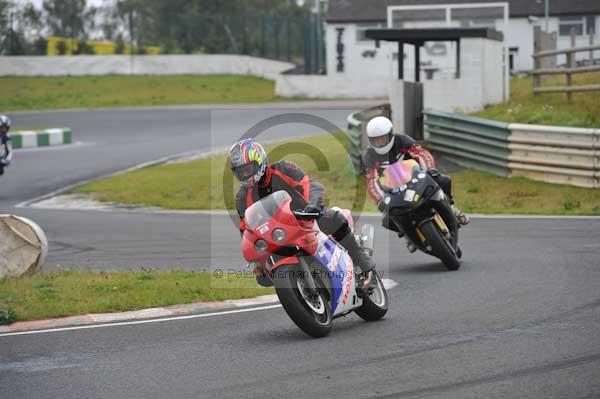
{"x": 380, "y": 133}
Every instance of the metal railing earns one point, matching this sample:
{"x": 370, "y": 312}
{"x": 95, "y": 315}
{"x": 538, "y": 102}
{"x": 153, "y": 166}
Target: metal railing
{"x": 469, "y": 141}
{"x": 555, "y": 154}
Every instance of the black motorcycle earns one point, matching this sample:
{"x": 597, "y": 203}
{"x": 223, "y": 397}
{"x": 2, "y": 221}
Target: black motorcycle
{"x": 422, "y": 212}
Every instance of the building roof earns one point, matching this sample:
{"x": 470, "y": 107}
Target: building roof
{"x": 343, "y": 11}
{"x": 419, "y": 36}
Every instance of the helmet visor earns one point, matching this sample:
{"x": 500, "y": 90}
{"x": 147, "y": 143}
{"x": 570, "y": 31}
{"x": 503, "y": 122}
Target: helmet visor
{"x": 246, "y": 171}
{"x": 380, "y": 141}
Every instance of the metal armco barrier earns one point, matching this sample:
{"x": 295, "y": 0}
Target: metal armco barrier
{"x": 468, "y": 141}
{"x": 553, "y": 154}
{"x": 357, "y": 124}
{"x": 355, "y": 149}
{"x": 556, "y": 154}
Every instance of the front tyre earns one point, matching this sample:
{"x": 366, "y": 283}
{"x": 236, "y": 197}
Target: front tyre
{"x": 311, "y": 313}
{"x": 440, "y": 246}
{"x": 374, "y": 306}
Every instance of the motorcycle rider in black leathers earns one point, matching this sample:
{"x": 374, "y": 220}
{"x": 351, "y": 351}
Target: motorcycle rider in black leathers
{"x": 5, "y": 158}
{"x": 386, "y": 148}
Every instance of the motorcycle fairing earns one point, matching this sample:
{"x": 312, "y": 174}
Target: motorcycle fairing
{"x": 340, "y": 269}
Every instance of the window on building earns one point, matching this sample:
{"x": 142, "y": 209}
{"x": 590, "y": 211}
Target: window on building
{"x": 590, "y": 25}
{"x": 513, "y": 53}
{"x": 362, "y": 28}
{"x": 478, "y": 23}
{"x": 567, "y": 24}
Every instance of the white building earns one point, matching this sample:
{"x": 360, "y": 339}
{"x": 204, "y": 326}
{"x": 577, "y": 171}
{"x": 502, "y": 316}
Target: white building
{"x": 347, "y": 21}
{"x": 359, "y": 67}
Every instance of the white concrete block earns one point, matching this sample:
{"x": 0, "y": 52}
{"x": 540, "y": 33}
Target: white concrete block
{"x": 322, "y": 86}
{"x": 142, "y": 65}
{"x": 29, "y": 139}
{"x": 55, "y": 136}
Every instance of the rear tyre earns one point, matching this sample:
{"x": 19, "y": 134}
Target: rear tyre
{"x": 440, "y": 246}
{"x": 374, "y": 306}
{"x": 311, "y": 313}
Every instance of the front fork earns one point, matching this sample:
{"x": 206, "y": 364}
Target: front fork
{"x": 311, "y": 286}
{"x": 263, "y": 273}
{"x": 440, "y": 213}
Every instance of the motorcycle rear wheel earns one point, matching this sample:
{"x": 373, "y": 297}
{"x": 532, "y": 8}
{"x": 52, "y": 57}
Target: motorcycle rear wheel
{"x": 311, "y": 313}
{"x": 375, "y": 306}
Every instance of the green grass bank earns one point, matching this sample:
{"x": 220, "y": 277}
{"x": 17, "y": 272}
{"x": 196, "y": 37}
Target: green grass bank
{"x": 549, "y": 109}
{"x": 71, "y": 293}
{"x": 43, "y": 93}
{"x": 200, "y": 185}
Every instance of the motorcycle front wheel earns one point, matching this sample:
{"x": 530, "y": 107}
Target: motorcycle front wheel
{"x": 310, "y": 312}
{"x": 440, "y": 246}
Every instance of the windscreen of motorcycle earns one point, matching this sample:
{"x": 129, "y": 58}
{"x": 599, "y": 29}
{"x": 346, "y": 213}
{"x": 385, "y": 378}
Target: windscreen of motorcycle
{"x": 262, "y": 211}
{"x": 398, "y": 174}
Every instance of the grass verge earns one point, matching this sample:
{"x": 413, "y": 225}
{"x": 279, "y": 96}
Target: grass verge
{"x": 37, "y": 93}
{"x": 199, "y": 185}
{"x": 549, "y": 109}
{"x": 479, "y": 192}
{"x": 71, "y": 293}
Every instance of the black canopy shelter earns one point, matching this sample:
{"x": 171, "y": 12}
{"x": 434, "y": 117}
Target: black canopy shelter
{"x": 418, "y": 37}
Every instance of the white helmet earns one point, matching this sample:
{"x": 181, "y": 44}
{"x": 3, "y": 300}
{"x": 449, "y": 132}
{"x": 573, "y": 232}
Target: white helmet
{"x": 381, "y": 137}
{"x": 4, "y": 123}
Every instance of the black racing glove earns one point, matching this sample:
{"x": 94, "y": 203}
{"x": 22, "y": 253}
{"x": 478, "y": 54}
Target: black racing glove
{"x": 383, "y": 205}
{"x": 433, "y": 172}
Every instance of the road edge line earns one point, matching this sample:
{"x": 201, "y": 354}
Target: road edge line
{"x": 143, "y": 316}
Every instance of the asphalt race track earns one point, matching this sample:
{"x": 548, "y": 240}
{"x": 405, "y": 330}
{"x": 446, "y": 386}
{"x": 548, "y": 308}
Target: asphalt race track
{"x": 520, "y": 319}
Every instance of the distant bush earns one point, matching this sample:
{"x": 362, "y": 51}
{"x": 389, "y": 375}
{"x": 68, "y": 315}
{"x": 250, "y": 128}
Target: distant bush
{"x": 83, "y": 47}
{"x": 119, "y": 45}
{"x": 7, "y": 316}
{"x": 570, "y": 204}
{"x": 61, "y": 47}
{"x": 40, "y": 46}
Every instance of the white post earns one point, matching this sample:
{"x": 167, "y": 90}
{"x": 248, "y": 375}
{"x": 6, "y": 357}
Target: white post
{"x": 591, "y": 44}
{"x": 547, "y": 15}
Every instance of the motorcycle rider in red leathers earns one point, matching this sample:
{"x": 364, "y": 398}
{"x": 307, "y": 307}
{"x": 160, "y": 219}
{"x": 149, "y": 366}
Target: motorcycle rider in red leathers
{"x": 258, "y": 179}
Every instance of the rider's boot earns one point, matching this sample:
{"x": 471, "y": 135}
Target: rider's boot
{"x": 363, "y": 260}
{"x": 462, "y": 217}
{"x": 412, "y": 248}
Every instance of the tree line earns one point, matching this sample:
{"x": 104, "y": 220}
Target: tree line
{"x": 270, "y": 28}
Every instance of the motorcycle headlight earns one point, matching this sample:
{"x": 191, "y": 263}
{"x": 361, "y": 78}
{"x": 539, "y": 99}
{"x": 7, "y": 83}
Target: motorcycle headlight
{"x": 278, "y": 235}
{"x": 261, "y": 245}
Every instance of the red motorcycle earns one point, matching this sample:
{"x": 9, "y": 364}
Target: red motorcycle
{"x": 313, "y": 275}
